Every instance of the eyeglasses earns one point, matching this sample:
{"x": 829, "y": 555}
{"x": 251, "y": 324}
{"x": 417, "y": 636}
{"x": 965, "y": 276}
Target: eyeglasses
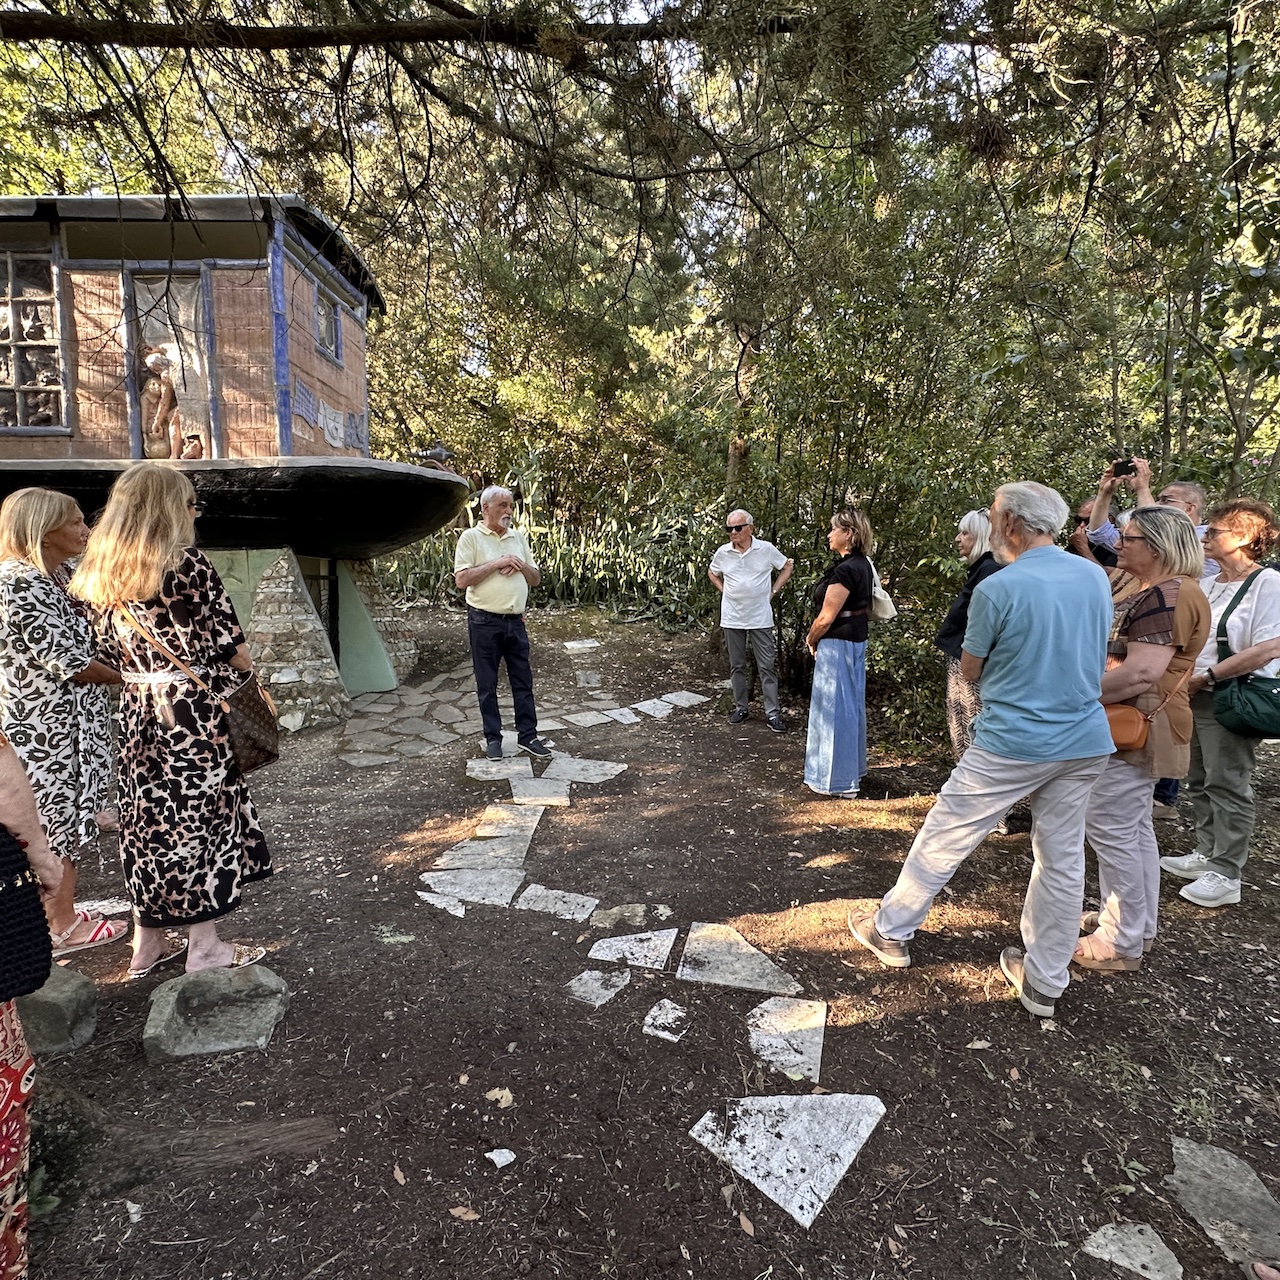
{"x": 1211, "y": 532}
{"x": 195, "y": 507}
{"x": 1132, "y": 537}
{"x": 737, "y": 528}
{"x": 1171, "y": 500}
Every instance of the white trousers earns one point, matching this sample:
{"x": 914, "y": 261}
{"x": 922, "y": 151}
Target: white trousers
{"x": 979, "y": 792}
{"x": 1117, "y": 824}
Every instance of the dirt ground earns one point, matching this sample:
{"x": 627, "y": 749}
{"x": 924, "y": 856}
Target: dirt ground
{"x": 353, "y": 1146}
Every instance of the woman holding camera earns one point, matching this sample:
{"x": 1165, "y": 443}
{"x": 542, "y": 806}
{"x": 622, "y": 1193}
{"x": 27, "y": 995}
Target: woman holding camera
{"x": 1161, "y": 621}
{"x": 1240, "y": 533}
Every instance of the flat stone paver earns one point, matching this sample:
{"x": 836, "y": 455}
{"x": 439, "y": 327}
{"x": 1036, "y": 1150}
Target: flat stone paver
{"x": 545, "y": 791}
{"x": 1136, "y": 1247}
{"x": 446, "y": 714}
{"x": 1229, "y": 1201}
{"x": 787, "y": 1035}
{"x": 500, "y": 770}
{"x": 575, "y": 646}
{"x": 623, "y": 715}
{"x": 644, "y": 950}
{"x": 367, "y": 760}
{"x": 491, "y": 888}
{"x": 556, "y": 902}
{"x": 369, "y": 741}
{"x": 718, "y": 954}
{"x": 575, "y": 769}
{"x": 505, "y": 853}
{"x": 794, "y": 1150}
{"x": 586, "y": 719}
{"x": 509, "y": 820}
{"x": 597, "y": 986}
{"x": 666, "y": 1020}
{"x": 445, "y": 901}
{"x": 656, "y": 708}
{"x": 684, "y": 698}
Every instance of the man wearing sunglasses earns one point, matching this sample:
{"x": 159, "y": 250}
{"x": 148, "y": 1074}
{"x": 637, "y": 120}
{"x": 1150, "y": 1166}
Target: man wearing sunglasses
{"x": 743, "y": 572}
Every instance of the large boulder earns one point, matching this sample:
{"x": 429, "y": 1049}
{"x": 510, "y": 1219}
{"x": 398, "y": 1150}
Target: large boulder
{"x": 62, "y": 1015}
{"x": 214, "y": 1011}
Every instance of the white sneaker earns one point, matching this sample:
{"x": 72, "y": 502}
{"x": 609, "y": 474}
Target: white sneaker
{"x": 1212, "y": 889}
{"x": 1187, "y": 866}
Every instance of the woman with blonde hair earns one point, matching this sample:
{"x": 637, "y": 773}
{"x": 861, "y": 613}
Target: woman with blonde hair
{"x": 973, "y": 540}
{"x": 836, "y": 753}
{"x": 189, "y": 835}
{"x": 1159, "y": 626}
{"x": 53, "y": 707}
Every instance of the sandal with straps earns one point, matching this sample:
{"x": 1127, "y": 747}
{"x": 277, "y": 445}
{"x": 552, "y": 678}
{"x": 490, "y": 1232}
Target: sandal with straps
{"x": 103, "y": 931}
{"x": 1093, "y": 953}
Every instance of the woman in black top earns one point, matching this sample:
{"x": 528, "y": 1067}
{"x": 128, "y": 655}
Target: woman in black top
{"x": 836, "y": 756}
{"x": 963, "y": 702}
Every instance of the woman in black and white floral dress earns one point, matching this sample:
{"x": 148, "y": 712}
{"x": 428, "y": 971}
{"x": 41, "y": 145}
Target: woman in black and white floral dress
{"x": 190, "y": 839}
{"x": 52, "y": 705}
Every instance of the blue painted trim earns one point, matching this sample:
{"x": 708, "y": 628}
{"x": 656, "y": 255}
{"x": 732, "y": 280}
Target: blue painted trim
{"x": 280, "y": 339}
{"x": 162, "y": 266}
{"x": 70, "y": 416}
{"x": 6, "y": 432}
{"x": 311, "y": 262}
{"x": 133, "y": 392}
{"x": 211, "y": 360}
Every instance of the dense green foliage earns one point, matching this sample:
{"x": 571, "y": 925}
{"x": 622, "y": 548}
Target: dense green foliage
{"x": 895, "y": 256}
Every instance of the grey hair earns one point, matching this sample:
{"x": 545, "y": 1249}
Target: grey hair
{"x": 1172, "y": 537}
{"x": 494, "y": 491}
{"x": 977, "y": 524}
{"x": 746, "y": 517}
{"x": 1195, "y": 494}
{"x": 1036, "y": 507}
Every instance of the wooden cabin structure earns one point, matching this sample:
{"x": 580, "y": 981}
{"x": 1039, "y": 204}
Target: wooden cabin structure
{"x": 226, "y": 334}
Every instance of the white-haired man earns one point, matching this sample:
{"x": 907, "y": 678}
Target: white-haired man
{"x": 742, "y": 571}
{"x": 1036, "y": 642}
{"x": 494, "y": 565}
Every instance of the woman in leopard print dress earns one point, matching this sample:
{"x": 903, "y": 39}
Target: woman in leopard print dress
{"x": 189, "y": 835}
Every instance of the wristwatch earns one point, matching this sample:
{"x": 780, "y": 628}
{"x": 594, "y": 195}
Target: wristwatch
{"x": 1210, "y": 679}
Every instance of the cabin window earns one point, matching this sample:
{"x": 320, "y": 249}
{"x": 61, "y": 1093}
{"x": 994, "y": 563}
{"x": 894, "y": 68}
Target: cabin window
{"x": 30, "y": 360}
{"x": 328, "y": 326}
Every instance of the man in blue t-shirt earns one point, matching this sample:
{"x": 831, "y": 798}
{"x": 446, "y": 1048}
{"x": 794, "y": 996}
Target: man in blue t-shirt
{"x": 1036, "y": 642}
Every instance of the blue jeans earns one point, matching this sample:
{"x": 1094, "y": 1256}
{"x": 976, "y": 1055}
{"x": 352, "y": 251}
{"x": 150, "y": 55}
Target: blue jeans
{"x": 496, "y": 637}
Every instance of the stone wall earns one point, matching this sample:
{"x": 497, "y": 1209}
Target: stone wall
{"x": 393, "y": 625}
{"x": 291, "y": 649}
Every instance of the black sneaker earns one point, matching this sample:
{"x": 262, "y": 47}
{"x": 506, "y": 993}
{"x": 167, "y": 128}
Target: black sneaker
{"x": 776, "y": 723}
{"x": 493, "y": 749}
{"x": 1011, "y": 965}
{"x": 738, "y": 715}
{"x": 536, "y": 748}
{"x": 897, "y": 955}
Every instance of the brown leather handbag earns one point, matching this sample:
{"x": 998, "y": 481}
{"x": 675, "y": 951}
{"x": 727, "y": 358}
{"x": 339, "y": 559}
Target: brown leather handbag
{"x": 1130, "y": 727}
{"x": 252, "y": 723}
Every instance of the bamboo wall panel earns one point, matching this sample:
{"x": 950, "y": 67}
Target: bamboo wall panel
{"x": 342, "y": 388}
{"x": 245, "y": 363}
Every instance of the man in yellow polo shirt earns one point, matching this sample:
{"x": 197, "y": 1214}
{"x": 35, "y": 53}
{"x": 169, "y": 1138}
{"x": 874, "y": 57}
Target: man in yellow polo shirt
{"x": 494, "y": 566}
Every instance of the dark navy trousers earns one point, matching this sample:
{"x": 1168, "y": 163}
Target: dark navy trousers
{"x": 495, "y": 638}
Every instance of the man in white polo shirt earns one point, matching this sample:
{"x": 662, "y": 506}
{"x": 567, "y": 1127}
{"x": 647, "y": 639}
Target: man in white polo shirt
{"x": 494, "y": 565}
{"x": 742, "y": 571}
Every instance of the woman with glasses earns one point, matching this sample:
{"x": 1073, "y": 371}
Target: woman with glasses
{"x": 973, "y": 540}
{"x": 1239, "y": 535}
{"x": 836, "y": 753}
{"x": 53, "y": 703}
{"x": 1160, "y": 624}
{"x": 189, "y": 835}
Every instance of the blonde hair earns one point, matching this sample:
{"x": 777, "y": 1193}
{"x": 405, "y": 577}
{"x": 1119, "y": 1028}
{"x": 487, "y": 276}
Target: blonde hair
{"x": 977, "y": 524}
{"x": 26, "y": 515}
{"x": 858, "y": 527}
{"x": 143, "y": 532}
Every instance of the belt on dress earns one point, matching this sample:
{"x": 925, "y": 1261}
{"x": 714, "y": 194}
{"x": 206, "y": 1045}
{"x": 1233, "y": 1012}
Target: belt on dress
{"x": 169, "y": 676}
